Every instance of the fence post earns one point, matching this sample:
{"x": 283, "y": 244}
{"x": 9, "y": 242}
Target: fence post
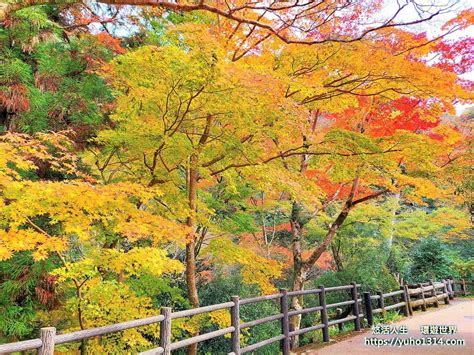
{"x": 165, "y": 330}
{"x": 338, "y": 316}
{"x": 368, "y": 309}
{"x": 448, "y": 287}
{"x": 235, "y": 322}
{"x": 408, "y": 297}
{"x": 433, "y": 293}
{"x": 381, "y": 303}
{"x": 451, "y": 289}
{"x": 324, "y": 313}
{"x": 445, "y": 290}
{"x": 47, "y": 338}
{"x": 355, "y": 306}
{"x": 285, "y": 323}
{"x": 423, "y": 306}
{"x": 463, "y": 287}
{"x": 405, "y": 309}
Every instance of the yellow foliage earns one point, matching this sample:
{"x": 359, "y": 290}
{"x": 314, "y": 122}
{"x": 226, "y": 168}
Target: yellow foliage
{"x": 255, "y": 269}
{"x": 444, "y": 222}
{"x": 82, "y": 210}
{"x": 73, "y": 208}
{"x": 107, "y": 303}
{"x": 139, "y": 260}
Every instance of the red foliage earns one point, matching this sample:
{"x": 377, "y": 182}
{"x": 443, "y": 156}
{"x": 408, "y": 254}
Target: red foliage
{"x": 110, "y": 42}
{"x": 15, "y": 98}
{"x": 456, "y": 56}
{"x": 47, "y": 83}
{"x": 405, "y": 113}
{"x": 324, "y": 183}
{"x": 436, "y": 136}
{"x": 283, "y": 227}
{"x": 45, "y": 290}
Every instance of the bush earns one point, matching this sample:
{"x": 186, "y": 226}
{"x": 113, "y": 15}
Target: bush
{"x": 220, "y": 290}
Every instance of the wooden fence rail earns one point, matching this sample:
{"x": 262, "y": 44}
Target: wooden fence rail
{"x": 462, "y": 287}
{"x": 406, "y": 298}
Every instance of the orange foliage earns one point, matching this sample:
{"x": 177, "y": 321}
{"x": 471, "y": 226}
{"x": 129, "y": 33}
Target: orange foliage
{"x": 110, "y": 42}
{"x": 15, "y": 98}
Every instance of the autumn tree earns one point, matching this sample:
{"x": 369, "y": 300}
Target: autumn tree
{"x": 390, "y": 104}
{"x": 331, "y": 116}
{"x": 187, "y": 99}
{"x": 245, "y": 138}
{"x": 94, "y": 235}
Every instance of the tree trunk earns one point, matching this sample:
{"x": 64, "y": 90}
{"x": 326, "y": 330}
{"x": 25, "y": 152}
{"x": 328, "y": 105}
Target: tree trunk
{"x": 350, "y": 203}
{"x": 302, "y": 268}
{"x": 297, "y": 304}
{"x": 191, "y": 274}
{"x": 190, "y": 245}
{"x": 191, "y": 222}
{"x": 336, "y": 254}
{"x": 330, "y": 235}
{"x": 393, "y": 220}
{"x": 11, "y": 122}
{"x": 338, "y": 222}
{"x": 299, "y": 274}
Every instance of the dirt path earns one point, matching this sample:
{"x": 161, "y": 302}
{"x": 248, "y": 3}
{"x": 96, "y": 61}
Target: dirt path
{"x": 460, "y": 313}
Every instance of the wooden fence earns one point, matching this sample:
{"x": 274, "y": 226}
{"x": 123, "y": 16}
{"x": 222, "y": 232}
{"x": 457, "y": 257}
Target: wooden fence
{"x": 407, "y": 298}
{"x": 463, "y": 287}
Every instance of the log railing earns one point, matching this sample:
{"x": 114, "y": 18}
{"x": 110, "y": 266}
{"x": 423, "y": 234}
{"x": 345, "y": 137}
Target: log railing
{"x": 463, "y": 287}
{"x": 382, "y": 307}
{"x": 406, "y": 299}
{"x": 429, "y": 293}
{"x": 410, "y": 297}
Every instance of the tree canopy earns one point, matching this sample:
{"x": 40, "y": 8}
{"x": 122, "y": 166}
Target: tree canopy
{"x": 172, "y": 154}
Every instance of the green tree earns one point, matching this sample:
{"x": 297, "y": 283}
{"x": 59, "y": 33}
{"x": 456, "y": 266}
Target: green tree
{"x": 48, "y": 78}
{"x": 431, "y": 260}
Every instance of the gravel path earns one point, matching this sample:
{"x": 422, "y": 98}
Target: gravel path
{"x": 460, "y": 313}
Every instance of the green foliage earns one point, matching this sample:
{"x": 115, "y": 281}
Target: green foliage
{"x": 46, "y": 78}
{"x": 317, "y": 336}
{"x": 361, "y": 251}
{"x": 431, "y": 260}
{"x": 389, "y": 317}
{"x": 155, "y": 28}
{"x": 399, "y": 261}
{"x": 220, "y": 290}
{"x": 24, "y": 290}
{"x": 15, "y": 70}
{"x": 464, "y": 268}
{"x": 164, "y": 292}
{"x": 442, "y": 222}
{"x": 231, "y": 210}
{"x": 371, "y": 276}
{"x": 464, "y": 248}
